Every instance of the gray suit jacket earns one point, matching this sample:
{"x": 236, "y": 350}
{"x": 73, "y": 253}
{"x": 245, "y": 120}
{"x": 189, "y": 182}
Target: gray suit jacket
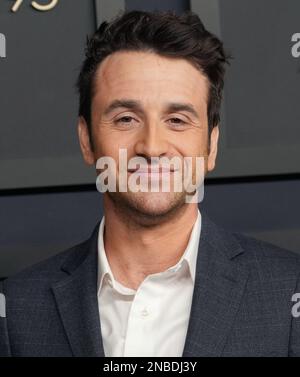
{"x": 241, "y": 303}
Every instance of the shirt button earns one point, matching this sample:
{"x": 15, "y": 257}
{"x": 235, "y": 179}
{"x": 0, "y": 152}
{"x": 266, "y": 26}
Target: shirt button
{"x": 144, "y": 313}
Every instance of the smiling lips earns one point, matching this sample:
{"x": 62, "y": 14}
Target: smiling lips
{"x": 153, "y": 171}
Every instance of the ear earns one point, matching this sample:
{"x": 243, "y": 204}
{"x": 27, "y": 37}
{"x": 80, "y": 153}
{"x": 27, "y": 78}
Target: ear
{"x": 85, "y": 143}
{"x": 213, "y": 148}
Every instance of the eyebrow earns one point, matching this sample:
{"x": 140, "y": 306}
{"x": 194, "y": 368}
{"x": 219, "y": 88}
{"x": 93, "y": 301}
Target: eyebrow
{"x": 137, "y": 106}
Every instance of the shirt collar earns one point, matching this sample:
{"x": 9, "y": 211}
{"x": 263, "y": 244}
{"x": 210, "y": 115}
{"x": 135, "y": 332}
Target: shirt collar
{"x": 189, "y": 255}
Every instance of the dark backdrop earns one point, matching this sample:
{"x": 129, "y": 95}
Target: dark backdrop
{"x": 47, "y": 201}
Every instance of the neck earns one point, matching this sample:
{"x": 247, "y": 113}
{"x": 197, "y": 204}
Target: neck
{"x": 135, "y": 250}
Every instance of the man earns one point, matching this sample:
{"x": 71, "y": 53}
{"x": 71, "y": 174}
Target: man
{"x": 157, "y": 277}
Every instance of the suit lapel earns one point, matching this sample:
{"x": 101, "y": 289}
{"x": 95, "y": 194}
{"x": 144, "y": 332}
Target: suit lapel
{"x": 219, "y": 286}
{"x": 76, "y": 298}
{"x": 218, "y": 289}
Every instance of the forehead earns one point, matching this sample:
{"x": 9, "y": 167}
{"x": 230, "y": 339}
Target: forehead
{"x": 149, "y": 76}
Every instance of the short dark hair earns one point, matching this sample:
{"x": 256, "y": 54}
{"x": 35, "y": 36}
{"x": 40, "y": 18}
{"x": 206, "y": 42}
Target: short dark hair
{"x": 164, "y": 33}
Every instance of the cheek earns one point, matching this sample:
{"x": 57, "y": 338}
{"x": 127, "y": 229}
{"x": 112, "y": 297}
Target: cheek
{"x": 111, "y": 145}
{"x": 192, "y": 145}
{"x": 105, "y": 142}
{"x": 107, "y": 148}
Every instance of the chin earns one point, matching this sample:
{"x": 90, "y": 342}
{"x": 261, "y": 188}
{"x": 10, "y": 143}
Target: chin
{"x": 151, "y": 205}
{"x": 155, "y": 204}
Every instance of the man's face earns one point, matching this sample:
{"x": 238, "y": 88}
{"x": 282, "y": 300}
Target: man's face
{"x": 160, "y": 110}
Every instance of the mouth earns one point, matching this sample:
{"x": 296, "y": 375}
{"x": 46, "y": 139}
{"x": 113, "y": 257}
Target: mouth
{"x": 152, "y": 171}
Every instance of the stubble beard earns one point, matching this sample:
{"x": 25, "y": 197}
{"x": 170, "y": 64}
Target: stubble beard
{"x": 148, "y": 208}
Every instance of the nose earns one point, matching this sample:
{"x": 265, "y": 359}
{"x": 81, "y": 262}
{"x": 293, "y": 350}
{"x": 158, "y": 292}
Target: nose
{"x": 152, "y": 141}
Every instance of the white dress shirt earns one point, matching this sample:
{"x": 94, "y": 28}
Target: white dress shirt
{"x": 152, "y": 320}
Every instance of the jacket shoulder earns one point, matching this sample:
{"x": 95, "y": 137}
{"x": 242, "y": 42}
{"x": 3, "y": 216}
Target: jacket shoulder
{"x": 45, "y": 272}
{"x": 263, "y": 248}
{"x": 268, "y": 260}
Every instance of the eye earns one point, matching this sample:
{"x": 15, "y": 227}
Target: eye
{"x": 125, "y": 120}
{"x": 177, "y": 122}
